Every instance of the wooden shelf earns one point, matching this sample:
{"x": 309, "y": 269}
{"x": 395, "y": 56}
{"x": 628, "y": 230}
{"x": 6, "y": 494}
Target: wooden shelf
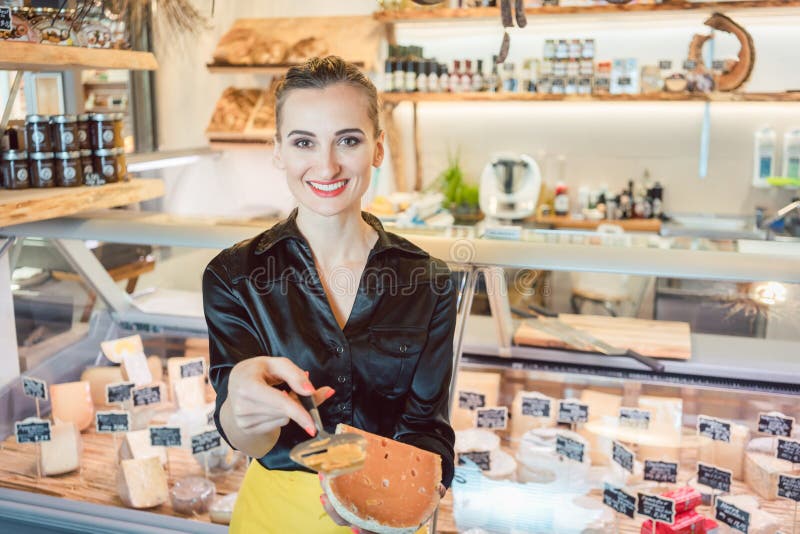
{"x": 28, "y": 205}
{"x": 477, "y": 13}
{"x": 41, "y": 57}
{"x": 629, "y": 225}
{"x": 397, "y": 98}
{"x": 278, "y": 68}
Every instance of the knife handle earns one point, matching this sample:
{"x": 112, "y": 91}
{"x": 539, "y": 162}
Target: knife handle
{"x": 308, "y": 403}
{"x": 652, "y": 363}
{"x": 541, "y": 310}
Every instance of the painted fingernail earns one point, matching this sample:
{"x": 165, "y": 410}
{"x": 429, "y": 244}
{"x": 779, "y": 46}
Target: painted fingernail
{"x": 311, "y": 430}
{"x": 306, "y": 372}
{"x": 322, "y": 499}
{"x": 356, "y": 530}
{"x": 320, "y": 476}
{"x": 308, "y": 387}
{"x": 330, "y": 394}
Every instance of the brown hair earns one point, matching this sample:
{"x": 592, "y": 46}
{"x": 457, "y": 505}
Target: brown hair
{"x": 319, "y": 73}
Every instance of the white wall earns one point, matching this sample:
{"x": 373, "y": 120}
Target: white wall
{"x": 603, "y": 143}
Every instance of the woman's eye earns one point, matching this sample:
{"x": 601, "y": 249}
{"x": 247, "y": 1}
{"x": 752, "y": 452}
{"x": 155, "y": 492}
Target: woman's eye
{"x": 302, "y": 143}
{"x": 350, "y": 141}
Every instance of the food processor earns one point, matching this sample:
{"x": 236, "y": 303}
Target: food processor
{"x": 509, "y": 187}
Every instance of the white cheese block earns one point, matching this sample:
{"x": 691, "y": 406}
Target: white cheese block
{"x": 142, "y": 483}
{"x": 602, "y": 407}
{"x": 99, "y": 378}
{"x": 486, "y": 384}
{"x": 539, "y": 463}
{"x": 135, "y": 368}
{"x": 62, "y": 453}
{"x": 190, "y": 392}
{"x": 666, "y": 415}
{"x": 728, "y": 455}
{"x": 136, "y": 445}
{"x": 762, "y": 468}
{"x": 174, "y": 371}
{"x": 522, "y": 423}
{"x": 761, "y": 522}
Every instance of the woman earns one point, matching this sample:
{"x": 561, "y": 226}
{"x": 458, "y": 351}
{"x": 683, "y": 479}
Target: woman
{"x": 325, "y": 303}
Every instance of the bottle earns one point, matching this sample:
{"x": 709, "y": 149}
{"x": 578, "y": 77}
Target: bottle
{"x": 466, "y": 77}
{"x": 388, "y": 76}
{"x": 399, "y": 77}
{"x": 791, "y": 153}
{"x": 561, "y": 202}
{"x": 763, "y": 156}
{"x": 422, "y": 77}
{"x": 478, "y": 81}
{"x": 492, "y": 81}
{"x": 455, "y": 77}
{"x": 431, "y": 69}
{"x": 657, "y": 194}
{"x": 411, "y": 76}
{"x": 444, "y": 78}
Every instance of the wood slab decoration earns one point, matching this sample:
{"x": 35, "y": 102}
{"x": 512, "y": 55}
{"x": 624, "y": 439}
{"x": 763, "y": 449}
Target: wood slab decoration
{"x": 657, "y": 339}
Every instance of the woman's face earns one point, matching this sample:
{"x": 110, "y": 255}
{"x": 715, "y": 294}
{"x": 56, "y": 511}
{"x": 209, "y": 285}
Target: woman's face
{"x": 327, "y": 147}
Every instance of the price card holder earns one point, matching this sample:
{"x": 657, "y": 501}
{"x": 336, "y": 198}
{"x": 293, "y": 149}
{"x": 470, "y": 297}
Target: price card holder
{"x": 112, "y": 422}
{"x": 482, "y": 459}
{"x": 661, "y": 472}
{"x": 734, "y": 517}
{"x": 146, "y": 395}
{"x": 572, "y": 413}
{"x": 470, "y": 400}
{"x": 5, "y": 19}
{"x": 659, "y": 509}
{"x": 775, "y": 424}
{"x": 535, "y": 406}
{"x": 789, "y": 488}
{"x": 119, "y": 392}
{"x": 492, "y": 418}
{"x": 634, "y": 418}
{"x": 788, "y": 450}
{"x": 33, "y": 430}
{"x": 622, "y": 456}
{"x": 716, "y": 478}
{"x": 194, "y": 367}
{"x": 35, "y": 389}
{"x": 166, "y": 436}
{"x": 715, "y": 429}
{"x": 620, "y": 501}
{"x": 204, "y": 442}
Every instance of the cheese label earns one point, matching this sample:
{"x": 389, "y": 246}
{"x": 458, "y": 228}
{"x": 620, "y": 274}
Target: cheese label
{"x": 569, "y": 448}
{"x": 714, "y": 477}
{"x": 775, "y": 425}
{"x": 622, "y": 456}
{"x": 34, "y": 388}
{"x": 620, "y": 501}
{"x": 534, "y": 406}
{"x": 5, "y": 19}
{"x": 789, "y": 487}
{"x": 665, "y": 64}
{"x": 118, "y": 392}
{"x": 734, "y": 517}
{"x": 145, "y": 395}
{"x": 660, "y": 509}
{"x": 114, "y": 349}
{"x": 689, "y": 64}
{"x": 206, "y": 441}
{"x": 165, "y": 436}
{"x": 193, "y": 368}
{"x": 112, "y": 421}
{"x": 715, "y": 429}
{"x": 32, "y": 430}
{"x": 481, "y": 458}
{"x": 469, "y": 400}
{"x": 718, "y": 64}
{"x": 634, "y": 418}
{"x": 492, "y": 418}
{"x": 658, "y": 471}
{"x": 210, "y": 417}
{"x": 572, "y": 412}
{"x": 789, "y": 450}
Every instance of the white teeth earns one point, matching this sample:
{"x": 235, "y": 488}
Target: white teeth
{"x": 328, "y": 187}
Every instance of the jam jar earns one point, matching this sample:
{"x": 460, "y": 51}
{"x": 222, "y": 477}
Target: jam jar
{"x": 119, "y": 139}
{"x": 37, "y": 129}
{"x": 69, "y": 172}
{"x": 102, "y": 131}
{"x": 65, "y": 133}
{"x": 105, "y": 161}
{"x": 84, "y": 139}
{"x": 14, "y": 169}
{"x": 122, "y": 165}
{"x": 42, "y": 169}
{"x": 90, "y": 177}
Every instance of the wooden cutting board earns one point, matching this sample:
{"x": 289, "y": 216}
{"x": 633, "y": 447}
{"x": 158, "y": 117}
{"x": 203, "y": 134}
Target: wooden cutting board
{"x": 658, "y": 339}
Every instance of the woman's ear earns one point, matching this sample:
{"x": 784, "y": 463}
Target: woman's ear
{"x": 276, "y": 156}
{"x": 377, "y": 157}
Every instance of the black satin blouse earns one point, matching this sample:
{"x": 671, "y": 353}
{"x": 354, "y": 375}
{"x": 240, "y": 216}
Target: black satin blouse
{"x": 392, "y": 363}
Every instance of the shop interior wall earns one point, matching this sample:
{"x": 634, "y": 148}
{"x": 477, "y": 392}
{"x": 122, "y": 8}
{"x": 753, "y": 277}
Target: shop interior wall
{"x": 601, "y": 143}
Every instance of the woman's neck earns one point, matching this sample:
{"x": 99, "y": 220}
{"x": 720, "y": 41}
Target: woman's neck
{"x": 336, "y": 239}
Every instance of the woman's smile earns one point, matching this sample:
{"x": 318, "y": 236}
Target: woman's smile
{"x": 330, "y": 188}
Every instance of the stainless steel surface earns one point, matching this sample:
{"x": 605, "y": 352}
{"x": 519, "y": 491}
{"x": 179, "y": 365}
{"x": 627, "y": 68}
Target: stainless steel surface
{"x": 781, "y": 214}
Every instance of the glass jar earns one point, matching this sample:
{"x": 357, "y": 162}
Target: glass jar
{"x": 549, "y": 49}
{"x": 119, "y": 138}
{"x": 122, "y": 165}
{"x": 37, "y": 131}
{"x": 42, "y": 169}
{"x": 69, "y": 172}
{"x": 105, "y": 163}
{"x": 65, "y": 133}
{"x": 14, "y": 169}
{"x": 84, "y": 139}
{"x": 101, "y": 131}
{"x": 90, "y": 176}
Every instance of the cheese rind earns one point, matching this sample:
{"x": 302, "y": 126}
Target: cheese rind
{"x": 136, "y": 445}
{"x": 142, "y": 483}
{"x": 62, "y": 453}
{"x": 761, "y": 473}
{"x": 71, "y": 402}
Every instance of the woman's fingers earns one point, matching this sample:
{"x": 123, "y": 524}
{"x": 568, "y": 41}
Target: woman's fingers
{"x": 286, "y": 370}
{"x": 322, "y": 394}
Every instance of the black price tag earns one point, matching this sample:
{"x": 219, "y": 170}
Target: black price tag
{"x": 492, "y": 418}
{"x": 732, "y": 516}
{"x": 619, "y": 501}
{"x": 34, "y": 388}
{"x": 776, "y": 425}
{"x": 718, "y": 64}
{"x": 634, "y": 418}
{"x": 714, "y": 477}
{"x": 622, "y": 456}
{"x": 210, "y": 418}
{"x": 206, "y": 441}
{"x": 569, "y": 448}
{"x": 665, "y": 64}
{"x": 112, "y": 421}
{"x": 118, "y": 392}
{"x": 789, "y": 487}
{"x": 481, "y": 458}
{"x": 535, "y": 406}
{"x": 659, "y": 509}
{"x": 689, "y": 64}
{"x": 145, "y": 395}
{"x": 192, "y": 368}
{"x": 572, "y": 412}
{"x": 32, "y": 431}
{"x": 657, "y": 471}
{"x": 602, "y": 83}
{"x": 624, "y": 80}
{"x": 469, "y": 400}
{"x": 789, "y": 450}
{"x": 5, "y": 19}
{"x": 165, "y": 436}
{"x": 716, "y": 429}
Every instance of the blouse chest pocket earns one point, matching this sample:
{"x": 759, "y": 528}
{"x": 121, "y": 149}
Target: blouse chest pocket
{"x": 393, "y": 355}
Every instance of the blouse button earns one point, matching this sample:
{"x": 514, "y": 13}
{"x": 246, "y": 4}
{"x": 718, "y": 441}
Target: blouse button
{"x": 403, "y": 347}
{"x": 342, "y": 379}
{"x": 339, "y": 349}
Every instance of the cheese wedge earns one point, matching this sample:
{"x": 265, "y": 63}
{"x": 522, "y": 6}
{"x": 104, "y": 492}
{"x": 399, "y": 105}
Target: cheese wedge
{"x": 174, "y": 372}
{"x": 136, "y": 369}
{"x": 142, "y": 483}
{"x": 136, "y": 445}
{"x": 62, "y": 453}
{"x": 71, "y": 402}
{"x": 728, "y": 455}
{"x": 190, "y": 392}
{"x": 602, "y": 407}
{"x": 394, "y": 493}
{"x": 485, "y": 384}
{"x": 762, "y": 468}
{"x": 99, "y": 378}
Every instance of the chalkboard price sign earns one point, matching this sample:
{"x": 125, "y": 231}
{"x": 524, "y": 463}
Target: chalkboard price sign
{"x": 734, "y": 517}
{"x": 118, "y": 392}
{"x": 775, "y": 425}
{"x": 5, "y": 19}
{"x": 619, "y": 501}
{"x": 481, "y": 458}
{"x": 32, "y": 430}
{"x": 492, "y": 418}
{"x": 34, "y": 388}
{"x": 535, "y": 406}
{"x": 206, "y": 441}
{"x": 572, "y": 412}
{"x": 716, "y": 429}
{"x": 714, "y": 477}
{"x": 622, "y": 456}
{"x": 469, "y": 400}
{"x": 789, "y": 487}
{"x": 665, "y": 64}
{"x": 634, "y": 418}
{"x": 789, "y": 450}
{"x": 657, "y": 471}
{"x": 192, "y": 368}
{"x": 112, "y": 421}
{"x": 145, "y": 395}
{"x": 659, "y": 509}
{"x": 569, "y": 448}
{"x": 165, "y": 436}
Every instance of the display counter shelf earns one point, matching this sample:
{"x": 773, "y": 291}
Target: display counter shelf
{"x": 41, "y": 57}
{"x": 422, "y": 97}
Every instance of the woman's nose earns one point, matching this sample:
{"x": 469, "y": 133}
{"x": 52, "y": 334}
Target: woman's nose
{"x": 328, "y": 166}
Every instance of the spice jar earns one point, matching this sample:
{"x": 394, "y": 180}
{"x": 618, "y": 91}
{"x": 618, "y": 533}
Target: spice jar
{"x": 90, "y": 176}
{"x": 14, "y": 169}
{"x": 84, "y": 139}
{"x": 69, "y": 172}
{"x": 105, "y": 164}
{"x": 122, "y": 165}
{"x": 37, "y": 130}
{"x": 42, "y": 169}
{"x": 65, "y": 133}
{"x": 119, "y": 139}
{"x": 101, "y": 131}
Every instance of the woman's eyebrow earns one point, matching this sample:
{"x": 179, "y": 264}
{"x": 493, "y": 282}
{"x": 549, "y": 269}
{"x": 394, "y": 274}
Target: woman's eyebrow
{"x": 350, "y": 130}
{"x": 301, "y": 132}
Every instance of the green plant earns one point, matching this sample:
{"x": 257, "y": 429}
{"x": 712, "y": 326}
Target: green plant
{"x": 451, "y": 183}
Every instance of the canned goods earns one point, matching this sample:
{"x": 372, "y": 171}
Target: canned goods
{"x": 37, "y": 131}
{"x": 122, "y": 165}
{"x": 84, "y": 139}
{"x": 69, "y": 172}
{"x": 102, "y": 131}
{"x": 105, "y": 164}
{"x": 14, "y": 169}
{"x": 65, "y": 133}
{"x": 42, "y": 169}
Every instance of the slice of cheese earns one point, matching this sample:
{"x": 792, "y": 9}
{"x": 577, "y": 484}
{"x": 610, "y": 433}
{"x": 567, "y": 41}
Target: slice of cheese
{"x": 71, "y": 402}
{"x": 394, "y": 493}
{"x": 142, "y": 483}
{"x": 190, "y": 392}
{"x": 62, "y": 453}
{"x": 603, "y": 407}
{"x": 99, "y": 378}
{"x": 135, "y": 368}
{"x": 136, "y": 446}
{"x": 761, "y": 473}
{"x": 728, "y": 455}
{"x": 486, "y": 384}
{"x": 522, "y": 423}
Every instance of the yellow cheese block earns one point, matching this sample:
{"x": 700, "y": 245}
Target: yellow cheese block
{"x": 99, "y": 378}
{"x": 728, "y": 455}
{"x": 71, "y": 402}
{"x": 142, "y": 483}
{"x": 486, "y": 384}
{"x": 62, "y": 453}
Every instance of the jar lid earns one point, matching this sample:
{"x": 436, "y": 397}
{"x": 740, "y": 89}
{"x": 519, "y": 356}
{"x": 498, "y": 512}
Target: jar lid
{"x": 103, "y": 152}
{"x": 41, "y": 155}
{"x": 64, "y": 119}
{"x": 119, "y": 151}
{"x": 73, "y": 154}
{"x": 86, "y": 153}
{"x": 37, "y": 118}
{"x": 83, "y": 117}
{"x": 15, "y": 155}
{"x": 102, "y": 117}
